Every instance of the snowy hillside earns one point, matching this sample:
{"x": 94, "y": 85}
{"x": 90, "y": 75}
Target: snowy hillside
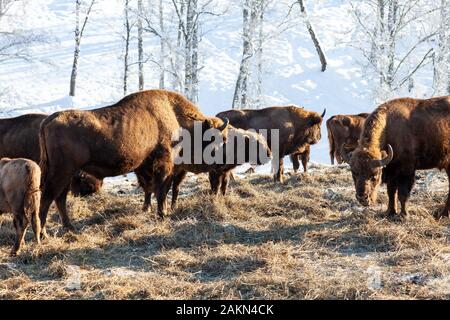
{"x": 291, "y": 75}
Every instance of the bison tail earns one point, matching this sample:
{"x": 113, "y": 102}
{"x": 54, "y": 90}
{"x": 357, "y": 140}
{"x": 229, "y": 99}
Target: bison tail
{"x": 330, "y": 139}
{"x": 43, "y": 149}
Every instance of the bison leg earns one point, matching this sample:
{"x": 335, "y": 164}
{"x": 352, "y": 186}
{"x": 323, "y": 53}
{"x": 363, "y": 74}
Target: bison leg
{"x": 146, "y": 185}
{"x": 20, "y": 224}
{"x": 404, "y": 190}
{"x": 161, "y": 196}
{"x": 43, "y": 211}
{"x": 305, "y": 160}
{"x": 178, "y": 178}
{"x": 214, "y": 181}
{"x": 36, "y": 225}
{"x": 61, "y": 204}
{"x": 446, "y": 210}
{"x": 225, "y": 178}
{"x": 163, "y": 178}
{"x": 55, "y": 187}
{"x": 147, "y": 201}
{"x": 295, "y": 163}
{"x": 279, "y": 172}
{"x": 392, "y": 188}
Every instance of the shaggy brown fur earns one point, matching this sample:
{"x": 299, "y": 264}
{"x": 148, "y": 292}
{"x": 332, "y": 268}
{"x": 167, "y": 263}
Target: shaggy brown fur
{"x": 20, "y": 195}
{"x": 344, "y": 130}
{"x": 419, "y": 133}
{"x": 135, "y": 134}
{"x": 297, "y": 127}
{"x": 19, "y": 138}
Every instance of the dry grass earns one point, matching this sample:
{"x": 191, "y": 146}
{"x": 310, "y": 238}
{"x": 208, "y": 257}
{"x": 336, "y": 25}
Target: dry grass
{"x": 307, "y": 238}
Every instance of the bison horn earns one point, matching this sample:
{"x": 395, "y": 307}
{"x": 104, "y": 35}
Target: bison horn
{"x": 323, "y": 114}
{"x": 384, "y": 162}
{"x": 225, "y": 124}
{"x": 345, "y": 155}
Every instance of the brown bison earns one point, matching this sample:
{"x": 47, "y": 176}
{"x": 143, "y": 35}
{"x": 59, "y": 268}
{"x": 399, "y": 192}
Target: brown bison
{"x": 402, "y": 135}
{"x": 19, "y": 138}
{"x": 219, "y": 173}
{"x": 20, "y": 195}
{"x": 135, "y": 134}
{"x": 344, "y": 130}
{"x": 297, "y": 127}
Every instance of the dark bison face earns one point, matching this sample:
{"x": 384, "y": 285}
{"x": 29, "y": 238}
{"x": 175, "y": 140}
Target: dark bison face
{"x": 312, "y": 132}
{"x": 84, "y": 184}
{"x": 366, "y": 172}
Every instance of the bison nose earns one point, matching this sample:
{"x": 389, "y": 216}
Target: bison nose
{"x": 363, "y": 199}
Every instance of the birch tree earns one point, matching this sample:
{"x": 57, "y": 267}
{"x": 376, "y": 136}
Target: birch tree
{"x": 127, "y": 46}
{"x": 162, "y": 44}
{"x": 259, "y": 55}
{"x": 79, "y": 31}
{"x": 140, "y": 41}
{"x": 441, "y": 79}
{"x": 383, "y": 35}
{"x": 314, "y": 38}
{"x": 249, "y": 17}
{"x": 189, "y": 22}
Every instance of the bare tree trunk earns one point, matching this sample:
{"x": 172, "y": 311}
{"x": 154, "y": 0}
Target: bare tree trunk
{"x": 140, "y": 45}
{"x": 76, "y": 54}
{"x": 178, "y": 77}
{"x": 250, "y": 53}
{"x": 322, "y": 58}
{"x": 162, "y": 47}
{"x": 259, "y": 84}
{"x": 127, "y": 47}
{"x": 78, "y": 36}
{"x": 190, "y": 14}
{"x": 381, "y": 51}
{"x": 441, "y": 78}
{"x": 194, "y": 62}
{"x": 392, "y": 22}
{"x": 240, "y": 90}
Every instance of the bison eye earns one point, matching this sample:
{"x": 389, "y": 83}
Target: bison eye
{"x": 373, "y": 179}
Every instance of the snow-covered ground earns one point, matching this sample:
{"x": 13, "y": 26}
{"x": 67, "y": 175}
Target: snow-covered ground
{"x": 292, "y": 70}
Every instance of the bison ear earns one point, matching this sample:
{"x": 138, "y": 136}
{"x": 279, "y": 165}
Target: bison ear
{"x": 315, "y": 120}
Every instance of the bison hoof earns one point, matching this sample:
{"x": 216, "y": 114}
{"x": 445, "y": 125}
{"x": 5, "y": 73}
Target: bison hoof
{"x": 44, "y": 234}
{"x": 391, "y": 213}
{"x": 69, "y": 229}
{"x": 160, "y": 216}
{"x": 404, "y": 215}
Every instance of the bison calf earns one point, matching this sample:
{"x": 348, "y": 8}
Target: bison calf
{"x": 20, "y": 194}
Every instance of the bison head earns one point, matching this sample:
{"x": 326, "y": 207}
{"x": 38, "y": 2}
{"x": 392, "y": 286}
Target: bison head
{"x": 246, "y": 146}
{"x": 366, "y": 169}
{"x": 312, "y": 130}
{"x": 218, "y": 124}
{"x": 84, "y": 184}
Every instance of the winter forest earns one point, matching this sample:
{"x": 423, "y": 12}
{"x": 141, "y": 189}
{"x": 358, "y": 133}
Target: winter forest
{"x": 344, "y": 55}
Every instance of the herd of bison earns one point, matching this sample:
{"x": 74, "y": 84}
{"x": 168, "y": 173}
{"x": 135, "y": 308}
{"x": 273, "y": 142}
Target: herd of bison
{"x": 76, "y": 149}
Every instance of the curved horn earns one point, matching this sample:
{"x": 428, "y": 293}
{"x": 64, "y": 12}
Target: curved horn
{"x": 323, "y": 114}
{"x": 345, "y": 155}
{"x": 225, "y": 124}
{"x": 384, "y": 162}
